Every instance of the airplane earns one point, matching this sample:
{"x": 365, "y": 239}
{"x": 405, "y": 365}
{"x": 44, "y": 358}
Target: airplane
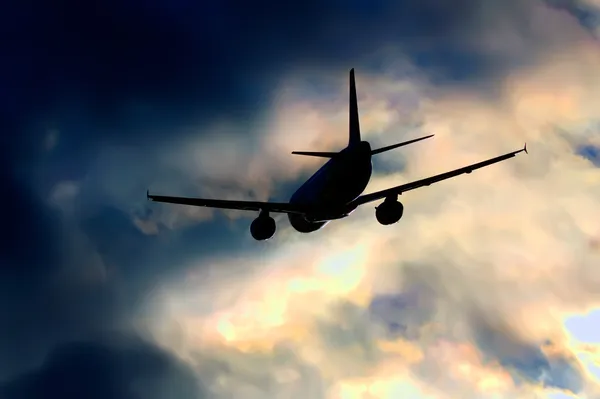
{"x": 335, "y": 190}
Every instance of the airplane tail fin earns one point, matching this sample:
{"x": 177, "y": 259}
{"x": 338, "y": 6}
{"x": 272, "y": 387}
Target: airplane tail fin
{"x": 354, "y": 126}
{"x": 391, "y": 147}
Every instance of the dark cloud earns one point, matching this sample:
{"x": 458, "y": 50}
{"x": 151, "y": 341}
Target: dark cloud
{"x": 525, "y": 361}
{"x": 125, "y": 368}
{"x": 22, "y": 209}
{"x": 421, "y": 293}
{"x": 586, "y": 14}
{"x": 96, "y": 283}
{"x": 402, "y": 314}
{"x": 138, "y": 66}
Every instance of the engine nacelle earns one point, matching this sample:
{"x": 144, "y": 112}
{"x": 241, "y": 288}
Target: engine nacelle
{"x": 389, "y": 212}
{"x": 263, "y": 227}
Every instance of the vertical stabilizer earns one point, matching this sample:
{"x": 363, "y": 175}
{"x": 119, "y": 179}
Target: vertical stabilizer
{"x": 354, "y": 128}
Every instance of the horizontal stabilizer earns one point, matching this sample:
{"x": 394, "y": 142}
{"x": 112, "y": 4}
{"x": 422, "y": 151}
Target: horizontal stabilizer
{"x": 316, "y": 154}
{"x": 391, "y": 147}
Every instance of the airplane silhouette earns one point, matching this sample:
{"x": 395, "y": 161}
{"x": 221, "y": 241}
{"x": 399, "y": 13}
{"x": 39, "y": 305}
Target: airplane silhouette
{"x": 334, "y": 191}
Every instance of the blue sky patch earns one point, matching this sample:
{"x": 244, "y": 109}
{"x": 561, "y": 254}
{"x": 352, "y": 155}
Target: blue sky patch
{"x": 590, "y": 152}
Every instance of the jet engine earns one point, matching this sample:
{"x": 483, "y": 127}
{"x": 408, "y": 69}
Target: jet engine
{"x": 389, "y": 212}
{"x": 263, "y": 227}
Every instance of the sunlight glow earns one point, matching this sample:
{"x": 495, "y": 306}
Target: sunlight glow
{"x": 380, "y": 387}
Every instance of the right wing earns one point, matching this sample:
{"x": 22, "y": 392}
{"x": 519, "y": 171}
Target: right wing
{"x": 229, "y": 204}
{"x": 363, "y": 199}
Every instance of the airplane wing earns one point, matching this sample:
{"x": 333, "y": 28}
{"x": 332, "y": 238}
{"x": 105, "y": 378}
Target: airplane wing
{"x": 228, "y": 204}
{"x": 363, "y": 199}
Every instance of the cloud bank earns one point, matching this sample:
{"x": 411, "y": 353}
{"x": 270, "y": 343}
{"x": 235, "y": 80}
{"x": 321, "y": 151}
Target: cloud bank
{"x": 479, "y": 291}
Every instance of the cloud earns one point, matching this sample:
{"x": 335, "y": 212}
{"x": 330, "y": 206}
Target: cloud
{"x": 587, "y": 12}
{"x": 466, "y": 297}
{"x": 125, "y": 368}
{"x": 526, "y": 360}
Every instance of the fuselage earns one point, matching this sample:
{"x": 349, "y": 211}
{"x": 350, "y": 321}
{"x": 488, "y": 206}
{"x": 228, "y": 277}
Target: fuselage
{"x": 341, "y": 180}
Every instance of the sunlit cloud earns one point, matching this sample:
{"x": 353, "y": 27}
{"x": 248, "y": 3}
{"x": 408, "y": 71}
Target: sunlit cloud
{"x": 560, "y": 395}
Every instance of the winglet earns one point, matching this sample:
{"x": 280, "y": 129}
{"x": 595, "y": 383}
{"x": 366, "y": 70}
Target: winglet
{"x": 525, "y": 149}
{"x": 148, "y": 194}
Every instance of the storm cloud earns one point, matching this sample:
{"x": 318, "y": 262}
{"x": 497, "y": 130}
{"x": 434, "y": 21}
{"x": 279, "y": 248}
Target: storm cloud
{"x": 124, "y": 368}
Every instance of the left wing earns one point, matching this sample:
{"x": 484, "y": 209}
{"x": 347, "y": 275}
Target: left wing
{"x": 363, "y": 199}
{"x": 229, "y": 204}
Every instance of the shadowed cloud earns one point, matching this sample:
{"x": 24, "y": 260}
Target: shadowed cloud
{"x": 526, "y": 361}
{"x": 122, "y": 369}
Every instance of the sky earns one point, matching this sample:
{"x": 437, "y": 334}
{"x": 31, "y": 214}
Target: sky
{"x": 487, "y": 287}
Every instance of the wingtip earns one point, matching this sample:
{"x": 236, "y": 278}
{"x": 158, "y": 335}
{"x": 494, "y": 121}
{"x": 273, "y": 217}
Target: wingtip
{"x": 525, "y": 148}
{"x": 148, "y": 194}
